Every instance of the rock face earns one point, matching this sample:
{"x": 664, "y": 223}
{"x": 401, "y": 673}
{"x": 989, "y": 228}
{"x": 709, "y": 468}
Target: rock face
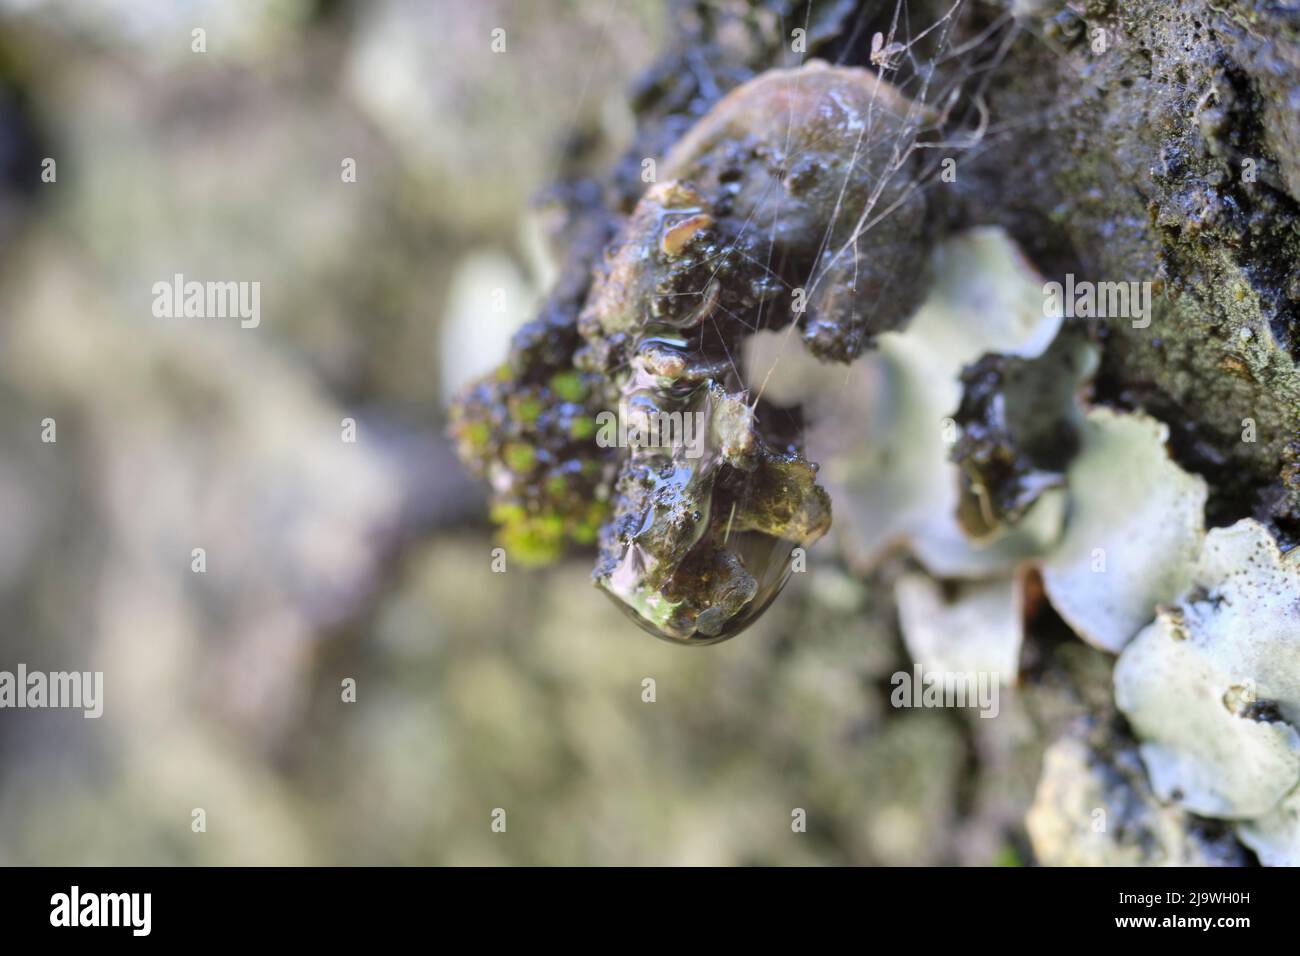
{"x": 1141, "y": 156}
{"x": 1153, "y": 141}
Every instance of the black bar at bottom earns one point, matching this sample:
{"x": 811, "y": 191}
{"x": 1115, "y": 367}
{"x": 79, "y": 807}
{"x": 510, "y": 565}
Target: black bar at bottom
{"x": 336, "y": 905}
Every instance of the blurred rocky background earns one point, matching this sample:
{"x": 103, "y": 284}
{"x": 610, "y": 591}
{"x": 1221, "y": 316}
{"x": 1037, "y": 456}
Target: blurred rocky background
{"x": 328, "y": 560}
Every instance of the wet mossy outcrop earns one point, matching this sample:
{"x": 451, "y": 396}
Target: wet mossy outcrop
{"x": 1150, "y": 142}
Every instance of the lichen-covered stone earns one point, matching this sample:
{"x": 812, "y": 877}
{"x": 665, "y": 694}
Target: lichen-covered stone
{"x": 1094, "y": 807}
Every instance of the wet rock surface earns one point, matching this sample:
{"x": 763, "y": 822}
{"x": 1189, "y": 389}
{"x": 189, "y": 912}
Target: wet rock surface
{"x": 761, "y": 220}
{"x": 1161, "y": 156}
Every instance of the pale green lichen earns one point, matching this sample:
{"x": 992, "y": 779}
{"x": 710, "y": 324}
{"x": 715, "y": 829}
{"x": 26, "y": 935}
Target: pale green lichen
{"x": 1212, "y": 686}
{"x": 977, "y": 628}
{"x": 1135, "y": 526}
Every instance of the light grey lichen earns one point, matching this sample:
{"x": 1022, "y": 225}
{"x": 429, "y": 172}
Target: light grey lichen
{"x": 1212, "y": 686}
{"x": 1275, "y": 837}
{"x": 976, "y": 627}
{"x": 1136, "y": 521}
{"x": 897, "y": 485}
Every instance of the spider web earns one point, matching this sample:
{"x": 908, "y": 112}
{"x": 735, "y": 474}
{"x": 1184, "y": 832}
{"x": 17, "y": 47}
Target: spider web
{"x": 948, "y": 120}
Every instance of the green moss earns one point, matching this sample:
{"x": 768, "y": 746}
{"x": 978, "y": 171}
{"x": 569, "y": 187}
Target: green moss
{"x": 586, "y": 529}
{"x": 525, "y": 409}
{"x": 531, "y": 543}
{"x": 519, "y": 457}
{"x": 507, "y": 513}
{"x": 476, "y": 435}
{"x": 569, "y": 387}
